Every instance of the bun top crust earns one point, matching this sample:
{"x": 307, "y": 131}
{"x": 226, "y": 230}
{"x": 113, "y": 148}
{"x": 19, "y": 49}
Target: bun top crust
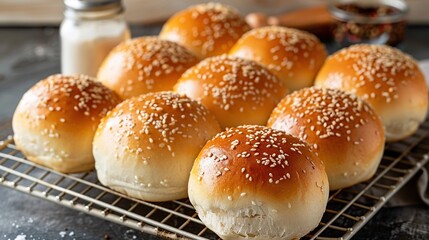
{"x": 316, "y": 114}
{"x": 164, "y": 122}
{"x": 71, "y": 100}
{"x": 207, "y": 29}
{"x": 249, "y": 160}
{"x": 378, "y": 74}
{"x": 295, "y": 56}
{"x": 145, "y": 64}
{"x": 236, "y": 90}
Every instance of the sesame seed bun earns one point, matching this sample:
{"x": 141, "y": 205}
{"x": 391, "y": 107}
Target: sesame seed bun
{"x": 143, "y": 65}
{"x": 55, "y": 121}
{"x": 207, "y": 30}
{"x": 237, "y": 91}
{"x": 388, "y": 79}
{"x": 294, "y": 56}
{"x": 145, "y": 147}
{"x": 342, "y": 129}
{"x": 259, "y": 182}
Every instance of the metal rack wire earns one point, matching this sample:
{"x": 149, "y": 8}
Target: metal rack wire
{"x": 348, "y": 209}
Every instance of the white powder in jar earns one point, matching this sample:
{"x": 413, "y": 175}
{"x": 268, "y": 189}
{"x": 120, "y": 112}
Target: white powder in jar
{"x": 86, "y": 42}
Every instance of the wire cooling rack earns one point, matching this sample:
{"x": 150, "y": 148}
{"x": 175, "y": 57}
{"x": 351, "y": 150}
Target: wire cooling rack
{"x": 348, "y": 209}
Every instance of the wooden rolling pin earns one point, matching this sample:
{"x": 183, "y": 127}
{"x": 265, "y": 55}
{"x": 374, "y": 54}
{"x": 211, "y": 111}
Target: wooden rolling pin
{"x": 316, "y": 20}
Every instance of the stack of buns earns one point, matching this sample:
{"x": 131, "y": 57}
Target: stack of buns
{"x": 181, "y": 89}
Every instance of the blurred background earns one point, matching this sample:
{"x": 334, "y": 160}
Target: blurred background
{"x": 50, "y": 12}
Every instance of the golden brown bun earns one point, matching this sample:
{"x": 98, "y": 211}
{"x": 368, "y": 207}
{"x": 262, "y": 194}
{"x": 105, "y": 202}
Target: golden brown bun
{"x": 143, "y": 65}
{"x": 389, "y": 80}
{"x": 56, "y": 119}
{"x": 344, "y": 130}
{"x": 207, "y": 30}
{"x": 259, "y": 182}
{"x": 237, "y": 91}
{"x": 145, "y": 147}
{"x": 294, "y": 56}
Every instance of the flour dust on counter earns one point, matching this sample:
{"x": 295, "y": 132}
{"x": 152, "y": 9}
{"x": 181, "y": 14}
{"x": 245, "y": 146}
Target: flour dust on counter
{"x": 21, "y": 237}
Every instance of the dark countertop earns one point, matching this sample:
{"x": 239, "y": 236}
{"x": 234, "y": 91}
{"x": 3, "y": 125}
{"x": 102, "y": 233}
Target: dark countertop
{"x": 30, "y": 54}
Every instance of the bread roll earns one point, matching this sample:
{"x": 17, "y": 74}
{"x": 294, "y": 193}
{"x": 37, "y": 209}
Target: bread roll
{"x": 294, "y": 56}
{"x": 388, "y": 79}
{"x": 344, "y": 130}
{"x": 56, "y": 119}
{"x": 145, "y": 147}
{"x": 143, "y": 65}
{"x": 207, "y": 29}
{"x": 237, "y": 91}
{"x": 259, "y": 183}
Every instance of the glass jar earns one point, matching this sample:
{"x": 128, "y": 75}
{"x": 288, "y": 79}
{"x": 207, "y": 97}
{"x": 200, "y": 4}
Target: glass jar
{"x": 369, "y": 21}
{"x": 90, "y": 29}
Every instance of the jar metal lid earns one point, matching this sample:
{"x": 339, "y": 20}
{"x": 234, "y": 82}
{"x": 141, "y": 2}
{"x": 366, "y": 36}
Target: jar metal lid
{"x": 93, "y": 5}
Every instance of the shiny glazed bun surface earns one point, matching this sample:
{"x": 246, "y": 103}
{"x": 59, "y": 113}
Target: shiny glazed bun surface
{"x": 143, "y": 65}
{"x": 293, "y": 55}
{"x": 388, "y": 79}
{"x": 55, "y": 121}
{"x": 257, "y": 182}
{"x": 207, "y": 30}
{"x": 237, "y": 91}
{"x": 344, "y": 130}
{"x": 145, "y": 147}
